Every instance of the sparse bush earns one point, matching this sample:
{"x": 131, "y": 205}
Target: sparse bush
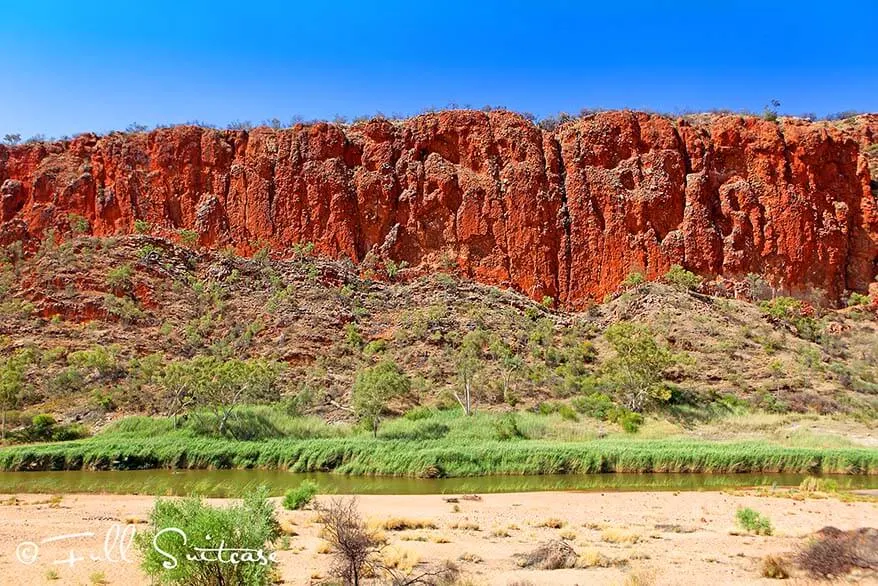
{"x": 188, "y": 237}
{"x": 299, "y": 497}
{"x": 78, "y": 224}
{"x": 681, "y": 278}
{"x": 506, "y": 427}
{"x": 249, "y": 525}
{"x": 634, "y": 279}
{"x": 834, "y": 553}
{"x": 857, "y": 299}
{"x": 352, "y": 544}
{"x": 596, "y": 405}
{"x": 120, "y": 277}
{"x": 754, "y": 522}
{"x": 123, "y": 308}
{"x": 142, "y": 227}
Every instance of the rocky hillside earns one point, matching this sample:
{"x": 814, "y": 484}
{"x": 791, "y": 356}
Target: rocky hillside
{"x": 565, "y": 213}
{"x": 93, "y": 322}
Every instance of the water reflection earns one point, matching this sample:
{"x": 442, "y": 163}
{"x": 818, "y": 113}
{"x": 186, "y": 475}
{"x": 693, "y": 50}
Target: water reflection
{"x": 230, "y": 483}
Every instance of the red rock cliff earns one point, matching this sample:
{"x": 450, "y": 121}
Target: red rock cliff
{"x": 567, "y": 213}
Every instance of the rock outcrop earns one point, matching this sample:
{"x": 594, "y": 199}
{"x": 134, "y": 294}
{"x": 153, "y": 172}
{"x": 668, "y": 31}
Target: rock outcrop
{"x": 566, "y": 213}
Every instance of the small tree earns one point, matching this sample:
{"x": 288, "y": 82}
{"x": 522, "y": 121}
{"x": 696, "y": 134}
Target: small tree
{"x": 470, "y": 356}
{"x": 374, "y": 387}
{"x": 12, "y": 381}
{"x": 509, "y": 363}
{"x": 637, "y": 370}
{"x": 12, "y": 139}
{"x": 219, "y": 385}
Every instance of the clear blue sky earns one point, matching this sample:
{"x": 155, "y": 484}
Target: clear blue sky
{"x": 84, "y": 65}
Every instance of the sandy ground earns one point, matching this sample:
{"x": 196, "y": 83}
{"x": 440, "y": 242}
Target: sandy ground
{"x": 681, "y": 538}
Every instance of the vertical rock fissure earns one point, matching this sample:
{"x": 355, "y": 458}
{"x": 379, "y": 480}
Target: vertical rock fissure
{"x": 565, "y": 216}
{"x": 496, "y": 165}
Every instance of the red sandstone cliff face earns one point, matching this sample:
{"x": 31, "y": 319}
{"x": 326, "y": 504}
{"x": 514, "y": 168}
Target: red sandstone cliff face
{"x": 566, "y": 214}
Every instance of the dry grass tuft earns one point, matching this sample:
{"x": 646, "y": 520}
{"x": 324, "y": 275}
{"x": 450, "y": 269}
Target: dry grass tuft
{"x": 774, "y": 567}
{"x": 397, "y": 558}
{"x": 403, "y": 524}
{"x": 552, "y": 523}
{"x": 640, "y": 577}
{"x": 592, "y": 558}
{"x": 619, "y": 535}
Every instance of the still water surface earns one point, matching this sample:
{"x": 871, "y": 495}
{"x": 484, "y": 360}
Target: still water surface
{"x": 230, "y": 483}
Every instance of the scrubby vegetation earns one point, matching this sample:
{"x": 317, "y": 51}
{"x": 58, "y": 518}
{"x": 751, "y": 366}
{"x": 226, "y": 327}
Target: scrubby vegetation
{"x": 173, "y": 356}
{"x": 299, "y": 497}
{"x": 249, "y": 525}
{"x": 753, "y": 521}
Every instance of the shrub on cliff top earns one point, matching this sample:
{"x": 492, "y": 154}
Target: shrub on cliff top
{"x": 681, "y": 278}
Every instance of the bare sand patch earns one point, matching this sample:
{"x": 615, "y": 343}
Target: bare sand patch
{"x": 681, "y": 538}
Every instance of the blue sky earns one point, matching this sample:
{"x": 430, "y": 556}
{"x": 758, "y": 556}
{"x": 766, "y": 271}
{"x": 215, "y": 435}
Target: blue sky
{"x": 69, "y": 67}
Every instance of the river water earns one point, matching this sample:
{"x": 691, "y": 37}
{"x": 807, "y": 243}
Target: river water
{"x": 232, "y": 483}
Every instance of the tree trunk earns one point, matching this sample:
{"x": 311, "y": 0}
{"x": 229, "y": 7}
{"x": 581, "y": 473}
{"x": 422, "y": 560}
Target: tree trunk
{"x": 3, "y": 428}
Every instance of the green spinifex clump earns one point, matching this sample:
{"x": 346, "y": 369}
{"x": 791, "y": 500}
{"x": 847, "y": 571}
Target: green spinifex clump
{"x": 180, "y": 526}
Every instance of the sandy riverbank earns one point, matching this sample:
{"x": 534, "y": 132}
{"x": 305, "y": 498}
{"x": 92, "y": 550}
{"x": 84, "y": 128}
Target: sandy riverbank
{"x": 664, "y": 538}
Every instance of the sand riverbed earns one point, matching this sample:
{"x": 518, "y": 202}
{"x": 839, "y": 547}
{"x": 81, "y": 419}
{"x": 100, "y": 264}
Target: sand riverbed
{"x": 658, "y": 537}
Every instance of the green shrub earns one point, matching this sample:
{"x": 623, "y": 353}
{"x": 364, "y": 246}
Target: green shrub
{"x": 629, "y": 420}
{"x": 567, "y": 412}
{"x": 120, "y": 277}
{"x": 754, "y": 522}
{"x": 681, "y": 278}
{"x": 354, "y": 339}
{"x": 142, "y": 227}
{"x": 596, "y": 405}
{"x": 44, "y": 428}
{"x": 422, "y": 430}
{"x": 633, "y": 279}
{"x": 188, "y": 237}
{"x": 78, "y": 224}
{"x": 506, "y": 427}
{"x": 419, "y": 412}
{"x": 858, "y": 299}
{"x": 297, "y": 498}
{"x": 375, "y": 347}
{"x": 374, "y": 387}
{"x": 250, "y": 525}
